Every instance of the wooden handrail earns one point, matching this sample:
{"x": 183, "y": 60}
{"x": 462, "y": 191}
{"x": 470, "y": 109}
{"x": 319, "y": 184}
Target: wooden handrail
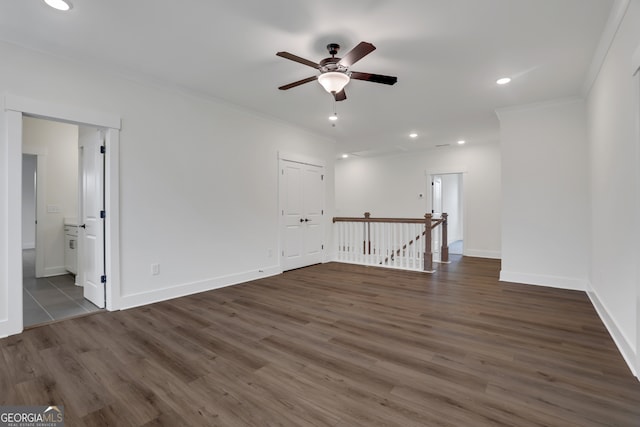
{"x": 434, "y": 221}
{"x": 392, "y": 220}
{"x": 428, "y": 221}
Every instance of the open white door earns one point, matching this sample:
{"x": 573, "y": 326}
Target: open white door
{"x": 302, "y": 209}
{"x": 91, "y": 264}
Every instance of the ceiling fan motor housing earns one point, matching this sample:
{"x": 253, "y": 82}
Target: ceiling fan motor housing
{"x": 332, "y": 64}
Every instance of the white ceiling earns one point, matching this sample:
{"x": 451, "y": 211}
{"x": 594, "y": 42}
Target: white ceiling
{"x": 447, "y": 55}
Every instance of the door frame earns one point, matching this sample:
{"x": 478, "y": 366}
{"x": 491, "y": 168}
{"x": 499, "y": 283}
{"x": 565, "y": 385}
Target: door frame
{"x": 635, "y": 73}
{"x": 462, "y": 171}
{"x": 41, "y": 192}
{"x": 15, "y": 108}
{"x": 298, "y": 158}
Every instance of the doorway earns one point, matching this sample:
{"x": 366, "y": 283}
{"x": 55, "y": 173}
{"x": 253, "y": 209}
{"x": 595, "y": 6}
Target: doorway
{"x": 446, "y": 196}
{"x": 15, "y": 109}
{"x": 50, "y": 227}
{"x": 301, "y": 188}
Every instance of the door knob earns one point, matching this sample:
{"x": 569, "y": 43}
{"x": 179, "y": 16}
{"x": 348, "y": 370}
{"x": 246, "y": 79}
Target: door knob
{"x": 83, "y": 226}
{"x": 301, "y": 220}
{"x": 306, "y": 220}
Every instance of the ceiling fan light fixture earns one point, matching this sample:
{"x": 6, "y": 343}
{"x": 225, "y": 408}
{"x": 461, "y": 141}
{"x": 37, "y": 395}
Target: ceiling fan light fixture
{"x": 59, "y": 4}
{"x": 333, "y": 81}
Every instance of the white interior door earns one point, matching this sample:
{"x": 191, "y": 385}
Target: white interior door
{"x": 436, "y": 194}
{"x": 91, "y": 231}
{"x": 302, "y": 210}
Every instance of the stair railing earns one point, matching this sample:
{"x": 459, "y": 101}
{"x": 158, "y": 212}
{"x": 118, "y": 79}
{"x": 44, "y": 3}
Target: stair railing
{"x": 404, "y": 243}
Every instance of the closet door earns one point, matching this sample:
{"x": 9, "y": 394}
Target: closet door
{"x": 302, "y": 211}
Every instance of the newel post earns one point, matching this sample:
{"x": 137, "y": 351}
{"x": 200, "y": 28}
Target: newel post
{"x": 445, "y": 239}
{"x": 366, "y": 234}
{"x": 428, "y": 254}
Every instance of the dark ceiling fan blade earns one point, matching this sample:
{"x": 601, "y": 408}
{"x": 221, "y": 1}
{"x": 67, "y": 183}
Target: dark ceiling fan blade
{"x": 356, "y": 54}
{"x": 295, "y": 58}
{"x": 375, "y": 78}
{"x": 298, "y": 83}
{"x": 340, "y": 96}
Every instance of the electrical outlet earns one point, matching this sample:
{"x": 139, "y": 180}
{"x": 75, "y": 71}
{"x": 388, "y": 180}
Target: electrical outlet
{"x": 155, "y": 269}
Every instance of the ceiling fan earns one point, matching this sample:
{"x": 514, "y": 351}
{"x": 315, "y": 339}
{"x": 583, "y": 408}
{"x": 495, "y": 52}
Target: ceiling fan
{"x": 335, "y": 73}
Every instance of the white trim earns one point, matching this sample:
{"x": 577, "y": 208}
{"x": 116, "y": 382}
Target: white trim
{"x": 41, "y": 197}
{"x": 150, "y": 297}
{"x": 299, "y": 158}
{"x": 621, "y": 341}
{"x": 569, "y": 283}
{"x": 478, "y": 253}
{"x": 60, "y": 112}
{"x": 54, "y": 271}
{"x": 112, "y": 223}
{"x": 636, "y": 128}
{"x": 13, "y": 276}
{"x": 618, "y": 11}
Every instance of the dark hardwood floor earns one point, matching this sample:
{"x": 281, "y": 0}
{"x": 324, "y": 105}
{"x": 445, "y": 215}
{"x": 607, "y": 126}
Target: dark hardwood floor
{"x": 335, "y": 345}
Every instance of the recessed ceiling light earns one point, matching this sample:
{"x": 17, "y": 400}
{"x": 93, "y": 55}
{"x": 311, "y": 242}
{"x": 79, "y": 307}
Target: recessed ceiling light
{"x": 462, "y": 141}
{"x": 344, "y": 156}
{"x": 59, "y": 4}
{"x": 413, "y": 135}
{"x": 333, "y": 117}
{"x": 503, "y": 81}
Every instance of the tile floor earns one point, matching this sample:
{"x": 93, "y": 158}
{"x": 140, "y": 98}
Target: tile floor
{"x": 49, "y": 298}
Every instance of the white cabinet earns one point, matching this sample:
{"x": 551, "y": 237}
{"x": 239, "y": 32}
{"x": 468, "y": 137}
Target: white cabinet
{"x": 71, "y": 248}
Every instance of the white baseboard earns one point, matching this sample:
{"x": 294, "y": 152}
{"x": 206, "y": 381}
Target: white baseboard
{"x": 181, "y": 290}
{"x": 560, "y": 282}
{"x": 482, "y": 254}
{"x": 8, "y": 328}
{"x": 621, "y": 341}
{"x": 54, "y": 271}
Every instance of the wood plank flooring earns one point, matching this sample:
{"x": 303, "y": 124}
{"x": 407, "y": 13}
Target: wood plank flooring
{"x": 334, "y": 345}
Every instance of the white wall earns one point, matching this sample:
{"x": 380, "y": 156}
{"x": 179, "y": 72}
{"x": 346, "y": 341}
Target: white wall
{"x": 59, "y": 143}
{"x": 615, "y": 168}
{"x": 389, "y": 187}
{"x": 545, "y": 189}
{"x": 198, "y": 178}
{"x": 29, "y": 164}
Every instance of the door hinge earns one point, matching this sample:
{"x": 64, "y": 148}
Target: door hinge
{"x": 432, "y": 211}
{"x": 322, "y": 247}
{"x": 103, "y": 149}
{"x": 282, "y": 253}
{"x": 321, "y": 177}
{"x": 322, "y": 212}
{"x": 282, "y": 171}
{"x": 103, "y": 279}
{"x": 103, "y": 214}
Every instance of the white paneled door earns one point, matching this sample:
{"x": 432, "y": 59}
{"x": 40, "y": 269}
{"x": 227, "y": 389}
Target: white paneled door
{"x": 91, "y": 266}
{"x": 302, "y": 210}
